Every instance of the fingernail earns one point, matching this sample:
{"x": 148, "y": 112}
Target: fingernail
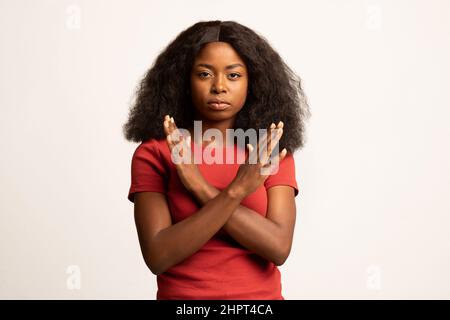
{"x": 272, "y": 126}
{"x": 284, "y": 151}
{"x": 281, "y": 124}
{"x": 279, "y": 130}
{"x": 171, "y": 119}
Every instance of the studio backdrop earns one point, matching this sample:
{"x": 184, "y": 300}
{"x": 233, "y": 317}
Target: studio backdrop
{"x": 373, "y": 209}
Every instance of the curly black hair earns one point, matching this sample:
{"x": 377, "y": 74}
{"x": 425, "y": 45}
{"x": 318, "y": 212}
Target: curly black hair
{"x": 275, "y": 91}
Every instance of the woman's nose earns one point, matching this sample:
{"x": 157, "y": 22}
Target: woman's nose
{"x": 218, "y": 85}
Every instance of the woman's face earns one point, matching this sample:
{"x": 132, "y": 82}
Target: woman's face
{"x": 218, "y": 73}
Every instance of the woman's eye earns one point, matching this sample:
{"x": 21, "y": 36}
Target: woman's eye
{"x": 201, "y": 74}
{"x": 204, "y": 74}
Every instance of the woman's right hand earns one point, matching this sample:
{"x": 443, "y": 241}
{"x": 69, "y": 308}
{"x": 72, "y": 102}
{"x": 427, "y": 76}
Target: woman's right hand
{"x": 257, "y": 166}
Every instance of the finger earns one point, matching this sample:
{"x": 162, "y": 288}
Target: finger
{"x": 173, "y": 137}
{"x": 281, "y": 155}
{"x": 266, "y": 140}
{"x": 169, "y": 142}
{"x": 280, "y": 125}
{"x": 175, "y": 128}
{"x": 169, "y": 128}
{"x": 271, "y": 139}
{"x": 271, "y": 128}
{"x": 251, "y": 155}
{"x": 172, "y": 121}
{"x": 166, "y": 125}
{"x": 262, "y": 146}
{"x": 188, "y": 141}
{"x": 180, "y": 146}
{"x": 178, "y": 137}
{"x": 275, "y": 137}
{"x": 249, "y": 151}
{"x": 176, "y": 134}
{"x": 273, "y": 166}
{"x": 172, "y": 124}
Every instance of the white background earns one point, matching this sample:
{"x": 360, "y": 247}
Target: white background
{"x": 374, "y": 176}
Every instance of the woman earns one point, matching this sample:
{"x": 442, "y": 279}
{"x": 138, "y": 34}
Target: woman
{"x": 216, "y": 231}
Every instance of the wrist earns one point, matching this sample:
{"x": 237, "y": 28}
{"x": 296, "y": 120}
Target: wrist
{"x": 235, "y": 192}
{"x": 203, "y": 192}
{"x": 197, "y": 188}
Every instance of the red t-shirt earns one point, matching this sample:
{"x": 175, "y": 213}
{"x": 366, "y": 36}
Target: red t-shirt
{"x": 222, "y": 268}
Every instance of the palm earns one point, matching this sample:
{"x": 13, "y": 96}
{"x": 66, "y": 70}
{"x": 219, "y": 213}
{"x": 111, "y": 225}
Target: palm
{"x": 187, "y": 170}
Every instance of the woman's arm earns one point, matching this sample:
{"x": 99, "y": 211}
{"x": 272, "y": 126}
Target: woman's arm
{"x": 270, "y": 236}
{"x": 163, "y": 244}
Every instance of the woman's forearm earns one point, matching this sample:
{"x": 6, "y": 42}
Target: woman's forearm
{"x": 249, "y": 228}
{"x": 184, "y": 238}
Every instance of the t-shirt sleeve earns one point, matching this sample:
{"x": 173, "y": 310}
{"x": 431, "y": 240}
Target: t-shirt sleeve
{"x": 147, "y": 171}
{"x": 285, "y": 175}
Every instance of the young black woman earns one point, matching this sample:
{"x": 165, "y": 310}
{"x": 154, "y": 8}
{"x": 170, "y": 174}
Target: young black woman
{"x": 216, "y": 231}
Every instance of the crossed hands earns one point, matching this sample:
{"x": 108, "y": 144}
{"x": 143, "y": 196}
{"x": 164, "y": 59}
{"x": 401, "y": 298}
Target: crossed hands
{"x": 250, "y": 175}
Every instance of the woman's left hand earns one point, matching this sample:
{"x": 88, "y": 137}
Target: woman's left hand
{"x": 188, "y": 173}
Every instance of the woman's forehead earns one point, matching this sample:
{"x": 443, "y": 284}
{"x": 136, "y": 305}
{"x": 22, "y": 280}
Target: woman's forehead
{"x": 219, "y": 54}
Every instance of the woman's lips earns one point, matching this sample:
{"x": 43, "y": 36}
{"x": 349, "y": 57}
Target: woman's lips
{"x": 218, "y": 106}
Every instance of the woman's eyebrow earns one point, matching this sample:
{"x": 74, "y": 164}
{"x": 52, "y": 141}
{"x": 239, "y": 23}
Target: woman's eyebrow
{"x": 231, "y": 66}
